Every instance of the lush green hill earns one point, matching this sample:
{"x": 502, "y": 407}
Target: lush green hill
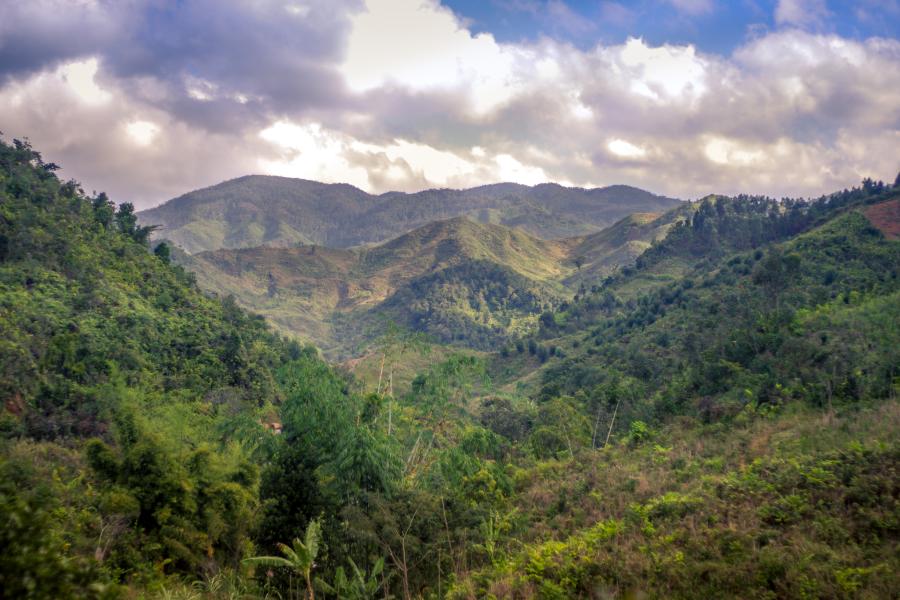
{"x": 463, "y": 282}
{"x": 600, "y": 254}
{"x": 456, "y": 280}
{"x": 137, "y": 442}
{"x": 132, "y": 401}
{"x": 746, "y": 371}
{"x": 719, "y": 419}
{"x": 261, "y": 210}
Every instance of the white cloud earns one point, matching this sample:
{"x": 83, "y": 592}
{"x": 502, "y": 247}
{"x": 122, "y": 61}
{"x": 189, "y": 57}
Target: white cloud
{"x": 510, "y": 169}
{"x": 142, "y": 132}
{"x": 419, "y": 45}
{"x": 200, "y": 89}
{"x": 315, "y": 152}
{"x": 663, "y": 74}
{"x": 79, "y": 76}
{"x": 729, "y": 152}
{"x": 402, "y": 95}
{"x": 625, "y": 149}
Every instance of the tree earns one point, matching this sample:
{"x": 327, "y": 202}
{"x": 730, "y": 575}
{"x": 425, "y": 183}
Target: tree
{"x": 104, "y": 210}
{"x": 163, "y": 252}
{"x": 299, "y": 557}
{"x": 774, "y": 272}
{"x": 126, "y": 219}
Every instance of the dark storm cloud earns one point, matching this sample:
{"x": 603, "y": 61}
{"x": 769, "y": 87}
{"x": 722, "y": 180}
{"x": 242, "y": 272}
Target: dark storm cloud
{"x": 35, "y": 35}
{"x": 255, "y": 59}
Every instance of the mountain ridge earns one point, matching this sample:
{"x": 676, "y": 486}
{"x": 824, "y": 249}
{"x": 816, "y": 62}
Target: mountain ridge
{"x": 255, "y": 210}
{"x": 323, "y": 294}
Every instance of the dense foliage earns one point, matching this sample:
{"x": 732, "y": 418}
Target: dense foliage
{"x": 718, "y": 420}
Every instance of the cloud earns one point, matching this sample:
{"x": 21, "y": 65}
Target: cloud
{"x": 802, "y": 13}
{"x": 625, "y": 149}
{"x": 310, "y": 151}
{"x": 108, "y": 141}
{"x": 163, "y": 98}
{"x": 39, "y": 34}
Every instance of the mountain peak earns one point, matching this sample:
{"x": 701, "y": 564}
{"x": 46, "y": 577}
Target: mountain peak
{"x": 256, "y": 210}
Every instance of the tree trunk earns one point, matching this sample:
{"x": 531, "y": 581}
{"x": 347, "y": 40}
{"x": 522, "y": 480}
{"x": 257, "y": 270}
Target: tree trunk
{"x": 612, "y": 422}
{"x": 380, "y": 373}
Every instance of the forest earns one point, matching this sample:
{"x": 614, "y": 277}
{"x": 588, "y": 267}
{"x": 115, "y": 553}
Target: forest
{"x": 719, "y": 419}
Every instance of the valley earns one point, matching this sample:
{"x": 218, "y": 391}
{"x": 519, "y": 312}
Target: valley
{"x": 456, "y": 280}
{"x": 699, "y": 401}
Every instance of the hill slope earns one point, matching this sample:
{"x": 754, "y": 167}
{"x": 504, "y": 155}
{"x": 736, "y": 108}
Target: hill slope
{"x": 455, "y": 279}
{"x": 263, "y": 210}
{"x": 722, "y": 420}
{"x": 130, "y": 433}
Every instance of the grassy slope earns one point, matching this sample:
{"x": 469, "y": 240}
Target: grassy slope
{"x": 790, "y": 505}
{"x": 619, "y": 245}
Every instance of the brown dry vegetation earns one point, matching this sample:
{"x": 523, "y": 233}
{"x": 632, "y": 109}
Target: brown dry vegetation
{"x": 886, "y": 217}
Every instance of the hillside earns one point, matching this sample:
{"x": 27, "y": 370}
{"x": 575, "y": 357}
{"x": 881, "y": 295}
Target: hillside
{"x": 719, "y": 419}
{"x": 455, "y": 280}
{"x": 746, "y": 369}
{"x": 458, "y": 281}
{"x": 602, "y": 253}
{"x": 130, "y": 433}
{"x": 262, "y": 210}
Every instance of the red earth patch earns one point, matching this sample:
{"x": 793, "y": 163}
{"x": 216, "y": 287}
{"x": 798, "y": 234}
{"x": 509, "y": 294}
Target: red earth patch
{"x": 886, "y": 217}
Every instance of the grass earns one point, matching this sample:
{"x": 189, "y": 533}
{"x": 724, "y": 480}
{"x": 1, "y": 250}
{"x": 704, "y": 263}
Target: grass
{"x": 755, "y": 508}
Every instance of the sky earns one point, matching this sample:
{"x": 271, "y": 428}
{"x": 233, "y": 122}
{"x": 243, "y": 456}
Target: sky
{"x": 149, "y": 99}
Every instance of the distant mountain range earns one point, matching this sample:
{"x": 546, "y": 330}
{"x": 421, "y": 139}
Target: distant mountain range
{"x": 278, "y": 211}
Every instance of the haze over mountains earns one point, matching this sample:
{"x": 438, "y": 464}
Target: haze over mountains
{"x": 263, "y": 210}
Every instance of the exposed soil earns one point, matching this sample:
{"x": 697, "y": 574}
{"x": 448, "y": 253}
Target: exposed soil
{"x": 886, "y": 217}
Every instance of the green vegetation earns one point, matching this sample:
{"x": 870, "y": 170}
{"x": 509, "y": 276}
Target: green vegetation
{"x": 457, "y": 281}
{"x": 717, "y": 419}
{"x": 462, "y": 283}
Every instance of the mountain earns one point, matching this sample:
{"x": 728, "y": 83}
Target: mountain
{"x": 263, "y": 210}
{"x": 600, "y": 254}
{"x": 719, "y": 418}
{"x": 455, "y": 279}
{"x": 462, "y": 282}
